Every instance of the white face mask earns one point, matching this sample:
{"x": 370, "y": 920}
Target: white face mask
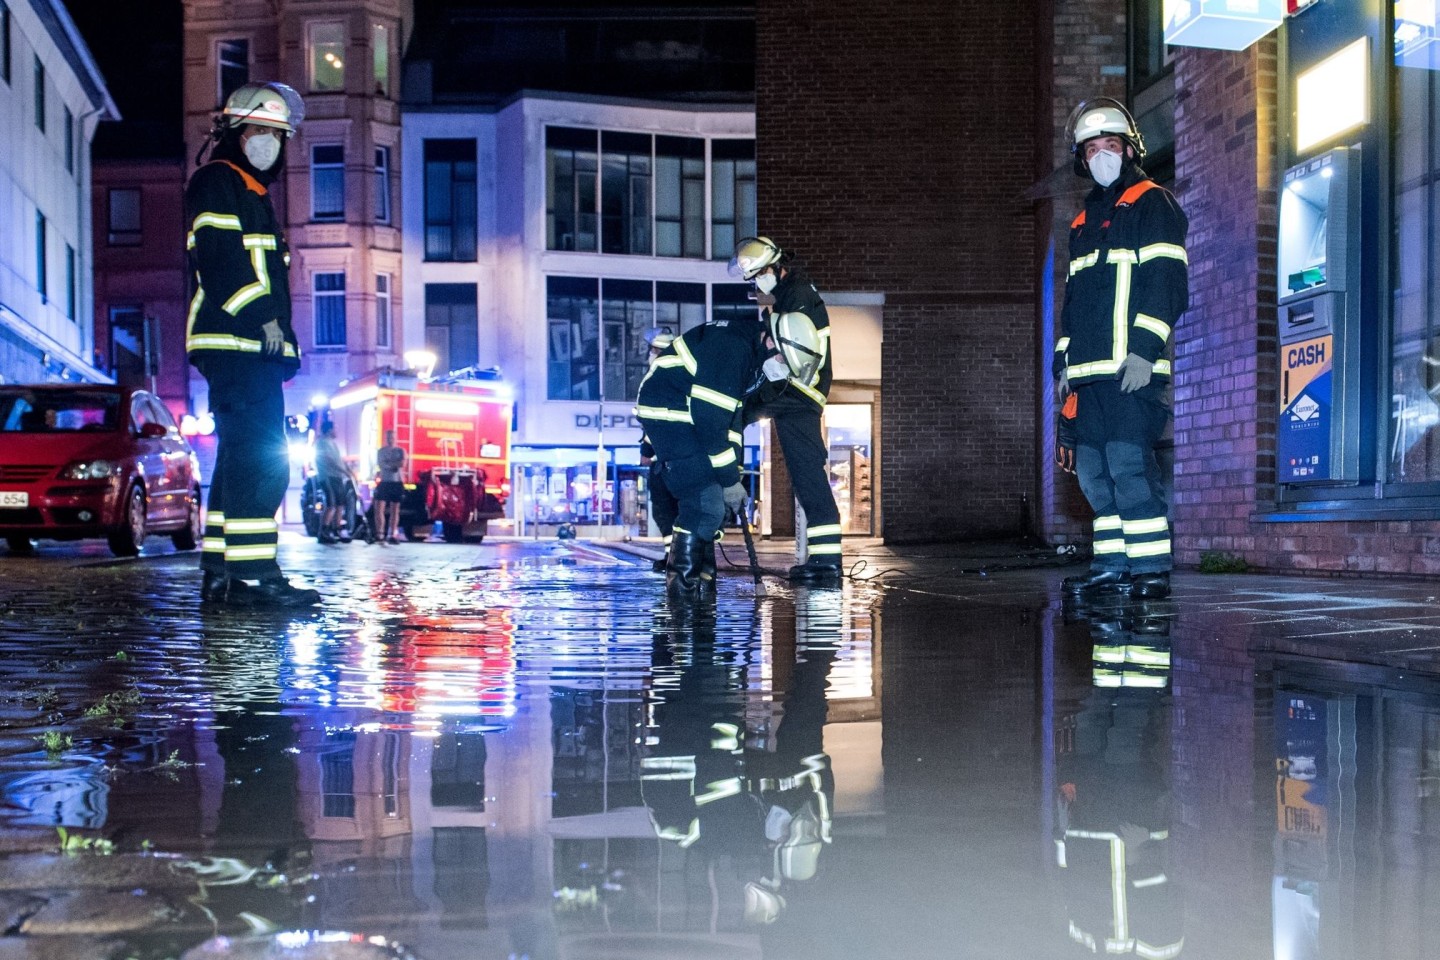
{"x": 766, "y": 282}
{"x": 262, "y": 150}
{"x": 1105, "y": 167}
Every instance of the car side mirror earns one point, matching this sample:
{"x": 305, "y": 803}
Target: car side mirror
{"x": 153, "y": 431}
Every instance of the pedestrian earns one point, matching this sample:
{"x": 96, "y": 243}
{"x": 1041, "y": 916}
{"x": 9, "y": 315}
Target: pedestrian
{"x": 663, "y": 505}
{"x": 335, "y": 478}
{"x": 241, "y": 340}
{"x": 1127, "y": 288}
{"x": 793, "y": 397}
{"x": 689, "y": 406}
{"x": 390, "y": 491}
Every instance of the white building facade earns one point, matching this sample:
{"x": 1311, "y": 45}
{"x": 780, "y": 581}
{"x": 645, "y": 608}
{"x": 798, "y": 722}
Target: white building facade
{"x": 52, "y": 96}
{"x": 549, "y": 236}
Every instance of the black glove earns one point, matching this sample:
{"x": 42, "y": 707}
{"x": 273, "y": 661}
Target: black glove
{"x": 1065, "y": 434}
{"x": 735, "y": 495}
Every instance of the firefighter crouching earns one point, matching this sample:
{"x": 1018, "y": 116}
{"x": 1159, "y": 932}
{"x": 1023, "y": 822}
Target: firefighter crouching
{"x": 240, "y": 338}
{"x": 689, "y": 406}
{"x": 1127, "y": 288}
{"x": 793, "y": 395}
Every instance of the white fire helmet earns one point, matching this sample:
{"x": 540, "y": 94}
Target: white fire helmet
{"x": 799, "y": 343}
{"x": 752, "y": 255}
{"x": 264, "y": 104}
{"x": 1101, "y": 117}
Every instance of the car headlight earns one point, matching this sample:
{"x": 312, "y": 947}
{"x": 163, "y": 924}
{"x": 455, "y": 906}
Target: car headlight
{"x": 89, "y": 470}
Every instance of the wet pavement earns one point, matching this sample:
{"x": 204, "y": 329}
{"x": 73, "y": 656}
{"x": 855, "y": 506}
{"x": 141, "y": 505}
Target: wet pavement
{"x": 517, "y": 750}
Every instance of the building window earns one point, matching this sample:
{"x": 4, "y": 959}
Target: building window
{"x": 129, "y": 344}
{"x": 679, "y": 197}
{"x": 232, "y": 67}
{"x": 571, "y": 194}
{"x": 572, "y": 312}
{"x": 69, "y": 141}
{"x": 628, "y": 310}
{"x": 680, "y": 306}
{"x": 327, "y": 182}
{"x": 327, "y": 57}
{"x": 40, "y": 259}
{"x": 380, "y": 53}
{"x": 450, "y": 200}
{"x": 731, "y": 301}
{"x": 732, "y": 195}
{"x": 452, "y": 325}
{"x": 329, "y": 307}
{"x": 70, "y": 281}
{"x": 337, "y": 775}
{"x": 39, "y": 94}
{"x": 124, "y": 216}
{"x": 382, "y": 309}
{"x": 625, "y": 193}
{"x": 5, "y": 42}
{"x": 1415, "y": 327}
{"x": 382, "y": 184}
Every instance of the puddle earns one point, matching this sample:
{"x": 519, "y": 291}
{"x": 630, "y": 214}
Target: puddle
{"x": 518, "y": 752}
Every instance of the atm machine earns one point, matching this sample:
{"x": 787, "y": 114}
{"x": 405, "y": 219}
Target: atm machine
{"x": 1318, "y": 439}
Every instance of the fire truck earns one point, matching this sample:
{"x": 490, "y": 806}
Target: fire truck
{"x": 455, "y": 431}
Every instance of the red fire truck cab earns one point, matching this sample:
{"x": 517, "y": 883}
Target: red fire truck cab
{"x": 455, "y": 431}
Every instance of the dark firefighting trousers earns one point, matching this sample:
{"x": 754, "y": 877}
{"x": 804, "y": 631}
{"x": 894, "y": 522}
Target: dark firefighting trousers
{"x": 252, "y": 467}
{"x": 797, "y": 428}
{"x": 1115, "y": 463}
{"x": 663, "y": 505}
{"x": 689, "y": 477}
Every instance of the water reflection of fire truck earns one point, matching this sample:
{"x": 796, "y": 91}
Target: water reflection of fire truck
{"x": 455, "y": 431}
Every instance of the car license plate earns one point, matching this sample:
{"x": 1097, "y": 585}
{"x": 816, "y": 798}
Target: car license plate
{"x": 14, "y": 498}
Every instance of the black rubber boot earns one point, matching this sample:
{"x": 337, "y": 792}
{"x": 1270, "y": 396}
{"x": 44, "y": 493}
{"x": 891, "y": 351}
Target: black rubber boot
{"x": 659, "y": 565}
{"x": 279, "y": 593}
{"x": 1150, "y": 586}
{"x": 1098, "y": 581}
{"x": 825, "y": 566}
{"x": 219, "y": 588}
{"x": 685, "y": 578}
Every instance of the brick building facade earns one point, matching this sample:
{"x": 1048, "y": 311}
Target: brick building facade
{"x": 917, "y": 154}
{"x": 898, "y": 166}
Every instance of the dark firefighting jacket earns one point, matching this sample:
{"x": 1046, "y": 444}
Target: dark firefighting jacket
{"x": 795, "y": 293}
{"x": 1128, "y": 283}
{"x": 240, "y": 267}
{"x": 698, "y": 382}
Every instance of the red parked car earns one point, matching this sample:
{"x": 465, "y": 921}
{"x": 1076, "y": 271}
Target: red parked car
{"x": 94, "y": 461}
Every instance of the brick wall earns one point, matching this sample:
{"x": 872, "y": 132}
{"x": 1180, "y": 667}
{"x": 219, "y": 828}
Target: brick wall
{"x": 1087, "y": 60}
{"x": 895, "y": 163}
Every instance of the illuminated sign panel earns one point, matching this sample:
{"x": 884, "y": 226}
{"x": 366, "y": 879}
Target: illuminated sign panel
{"x": 1333, "y": 96}
{"x": 1221, "y": 24}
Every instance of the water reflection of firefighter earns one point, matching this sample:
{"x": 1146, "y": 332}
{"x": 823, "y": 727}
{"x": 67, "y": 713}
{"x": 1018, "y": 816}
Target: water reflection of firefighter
{"x": 750, "y": 821}
{"x": 1113, "y": 823}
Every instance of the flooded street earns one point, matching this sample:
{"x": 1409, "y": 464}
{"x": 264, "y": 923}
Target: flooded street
{"x": 519, "y": 751}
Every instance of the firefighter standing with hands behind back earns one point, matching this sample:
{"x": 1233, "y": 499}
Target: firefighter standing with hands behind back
{"x": 240, "y": 338}
{"x": 1128, "y": 286}
{"x": 797, "y": 378}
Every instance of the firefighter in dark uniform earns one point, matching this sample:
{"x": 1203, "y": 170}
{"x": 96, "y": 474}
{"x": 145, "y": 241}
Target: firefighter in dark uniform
{"x": 1112, "y": 826}
{"x": 689, "y": 406}
{"x": 240, "y": 338}
{"x": 1128, "y": 286}
{"x": 794, "y": 394}
{"x": 663, "y": 505}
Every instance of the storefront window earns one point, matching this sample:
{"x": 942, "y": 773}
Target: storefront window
{"x": 572, "y": 307}
{"x": 1415, "y": 351}
{"x": 849, "y": 428}
{"x": 679, "y": 306}
{"x": 629, "y": 314}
